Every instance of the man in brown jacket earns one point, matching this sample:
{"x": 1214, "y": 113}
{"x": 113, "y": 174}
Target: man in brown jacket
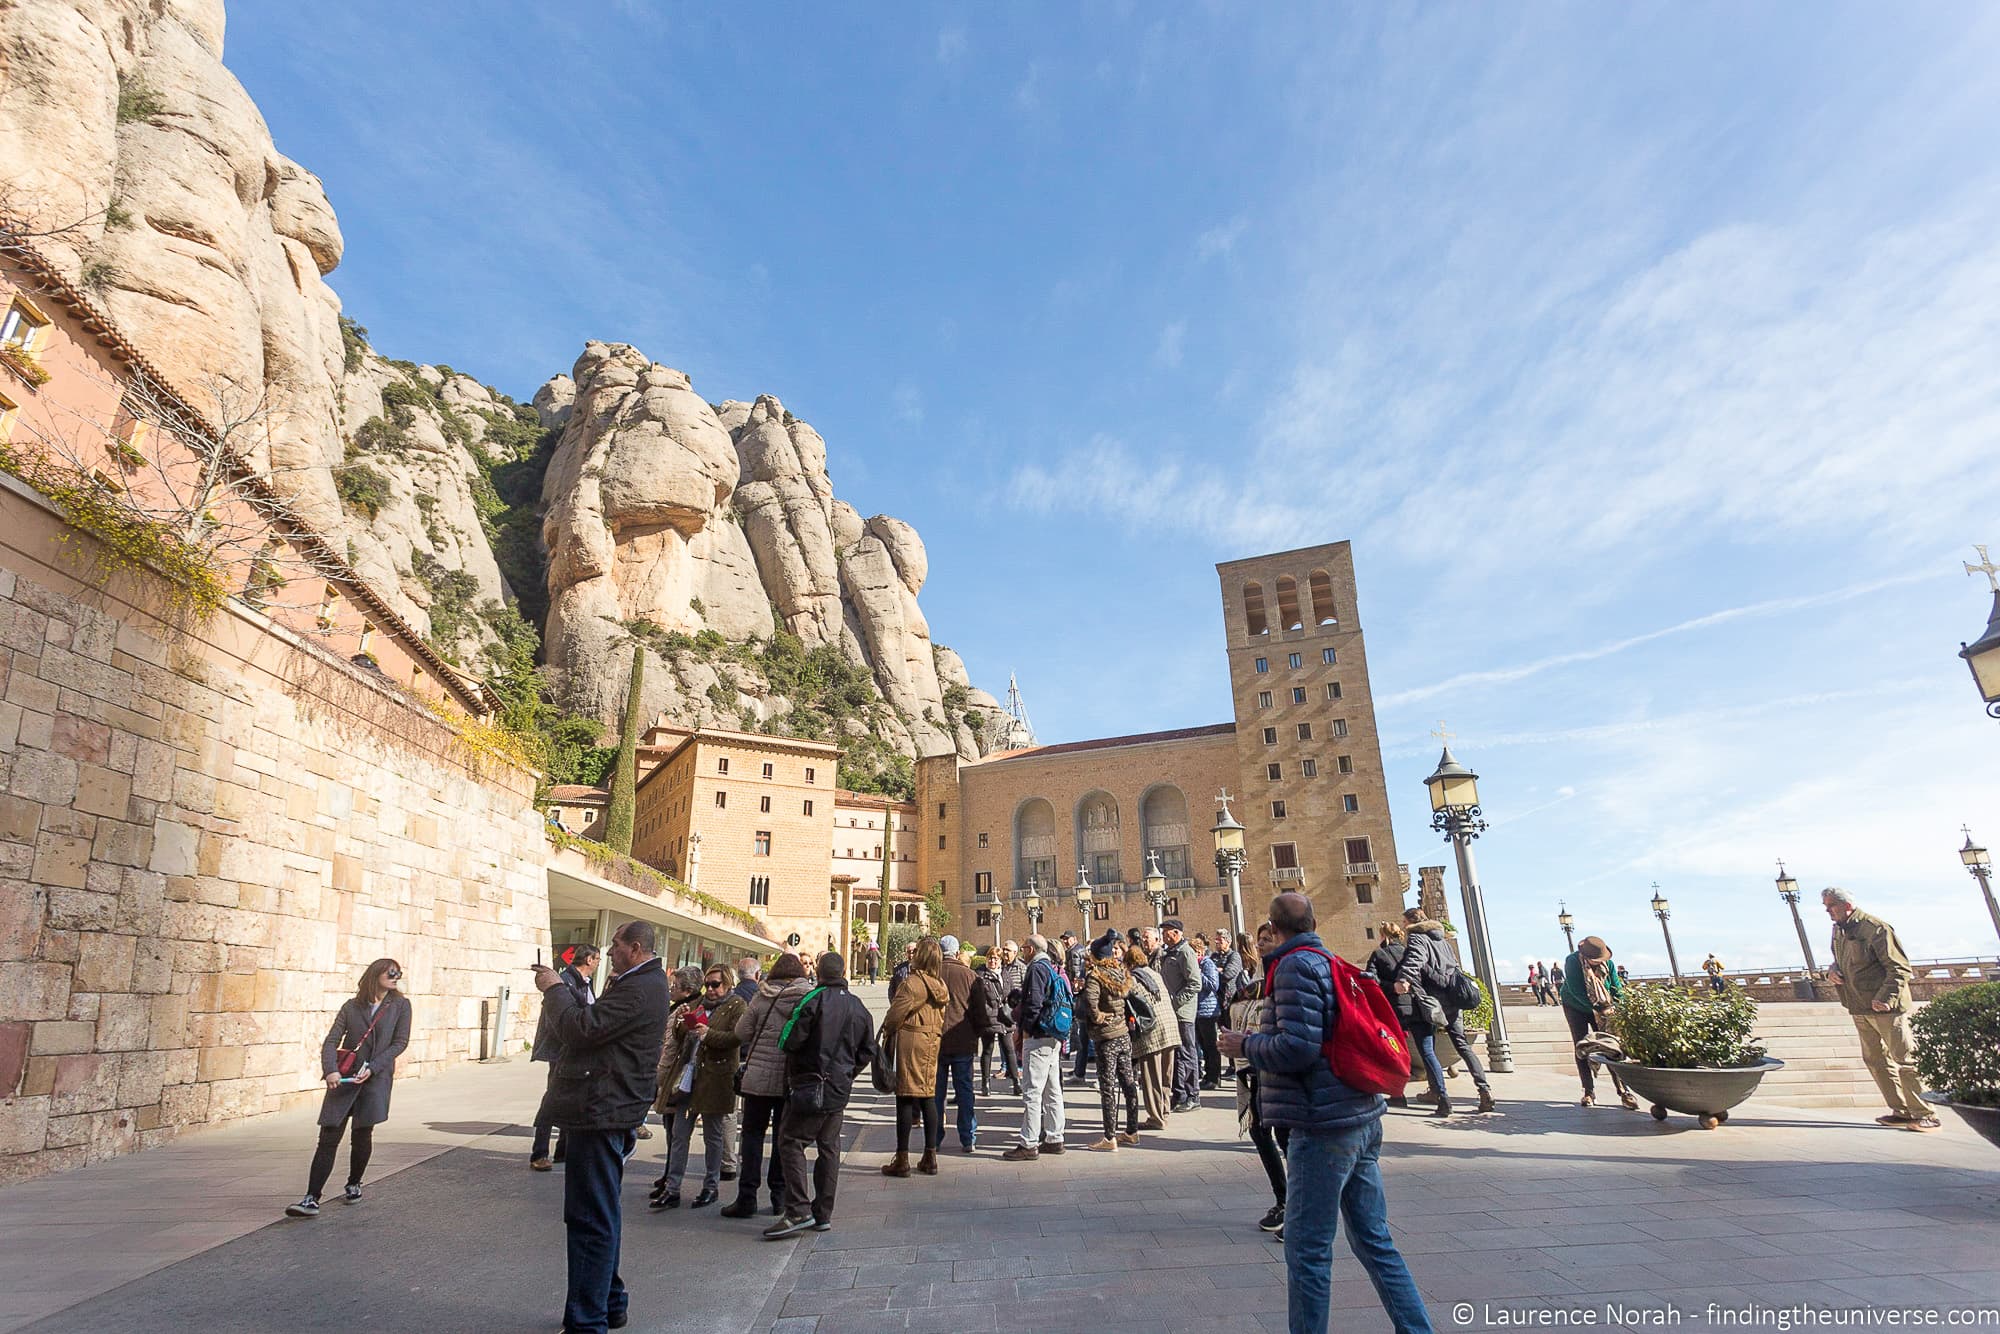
{"x": 965, "y": 1018}
{"x": 1873, "y": 975}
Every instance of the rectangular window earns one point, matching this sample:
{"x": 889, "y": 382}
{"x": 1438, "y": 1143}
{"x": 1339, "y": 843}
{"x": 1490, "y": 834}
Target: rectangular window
{"x": 1346, "y": 764}
{"x": 940, "y": 810}
{"x": 1364, "y": 893}
{"x": 1270, "y": 736}
{"x": 940, "y": 842}
{"x": 1357, "y": 851}
{"x": 1340, "y": 727}
{"x": 767, "y": 771}
{"x": 1333, "y": 690}
{"x": 809, "y": 807}
{"x": 985, "y": 917}
{"x": 1285, "y": 856}
{"x": 1328, "y": 656}
{"x": 1100, "y": 911}
{"x": 877, "y": 854}
{"x": 1305, "y": 731}
{"x": 1277, "y": 810}
{"x": 764, "y": 805}
{"x": 763, "y": 845}
{"x": 982, "y": 882}
{"x": 722, "y": 764}
{"x": 760, "y": 891}
{"x": 1350, "y": 803}
{"x": 1294, "y": 662}
{"x": 21, "y": 326}
{"x": 721, "y": 799}
{"x": 1263, "y": 665}
{"x": 1298, "y": 694}
{"x": 982, "y": 840}
{"x": 1309, "y": 768}
{"x": 1263, "y": 699}
{"x": 1274, "y": 772}
{"x": 809, "y": 775}
{"x": 7, "y": 409}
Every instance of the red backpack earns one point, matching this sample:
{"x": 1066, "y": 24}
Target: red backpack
{"x": 1365, "y": 1049}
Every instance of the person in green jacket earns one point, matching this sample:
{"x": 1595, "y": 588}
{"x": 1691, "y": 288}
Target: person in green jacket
{"x": 1873, "y": 975}
{"x": 1591, "y": 990}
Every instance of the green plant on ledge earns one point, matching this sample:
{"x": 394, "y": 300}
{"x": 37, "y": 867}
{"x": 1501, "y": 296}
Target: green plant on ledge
{"x": 653, "y": 879}
{"x": 1480, "y": 1017}
{"x": 1958, "y": 1044}
{"x": 1680, "y": 1029}
{"x": 24, "y": 364}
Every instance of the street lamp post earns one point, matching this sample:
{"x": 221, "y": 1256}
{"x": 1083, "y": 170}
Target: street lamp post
{"x": 1155, "y": 887}
{"x": 1981, "y": 866}
{"x": 1662, "y": 910}
{"x": 1033, "y": 904}
{"x": 1454, "y": 793}
{"x": 1788, "y": 890}
{"x": 1982, "y": 655}
{"x": 997, "y": 912}
{"x": 1567, "y": 923}
{"x": 1083, "y": 901}
{"x": 1228, "y": 834}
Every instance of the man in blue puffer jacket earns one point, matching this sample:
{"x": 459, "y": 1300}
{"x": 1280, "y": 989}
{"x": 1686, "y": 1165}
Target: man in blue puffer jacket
{"x": 1336, "y": 1134}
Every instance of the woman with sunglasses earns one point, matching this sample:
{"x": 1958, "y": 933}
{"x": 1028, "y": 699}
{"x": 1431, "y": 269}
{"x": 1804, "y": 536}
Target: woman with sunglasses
{"x": 372, "y": 1029}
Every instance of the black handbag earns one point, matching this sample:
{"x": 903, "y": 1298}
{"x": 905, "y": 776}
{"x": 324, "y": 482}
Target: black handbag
{"x": 806, "y": 1099}
{"x": 882, "y": 1070}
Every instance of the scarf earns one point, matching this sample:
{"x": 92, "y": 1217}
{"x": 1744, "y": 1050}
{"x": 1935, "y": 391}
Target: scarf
{"x": 1594, "y": 989}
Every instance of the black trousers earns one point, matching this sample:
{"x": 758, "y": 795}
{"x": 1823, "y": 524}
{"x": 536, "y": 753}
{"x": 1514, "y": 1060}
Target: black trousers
{"x": 1205, "y": 1030}
{"x": 1463, "y": 1045}
{"x": 357, "y": 1158}
{"x": 760, "y": 1114}
{"x": 1271, "y": 1142}
{"x": 1580, "y": 1025}
{"x": 821, "y": 1133}
{"x": 908, "y": 1111}
{"x": 1005, "y": 1041}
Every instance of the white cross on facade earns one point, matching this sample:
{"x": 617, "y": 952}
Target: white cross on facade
{"x": 1985, "y": 567}
{"x": 1442, "y": 733}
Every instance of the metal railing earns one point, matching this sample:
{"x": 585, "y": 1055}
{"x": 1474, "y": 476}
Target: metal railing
{"x": 1355, "y": 870}
{"x": 1284, "y": 874}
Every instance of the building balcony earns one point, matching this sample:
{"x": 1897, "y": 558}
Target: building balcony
{"x": 1283, "y": 874}
{"x": 1362, "y": 870}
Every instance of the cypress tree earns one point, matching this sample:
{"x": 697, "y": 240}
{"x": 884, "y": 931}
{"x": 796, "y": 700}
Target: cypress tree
{"x": 625, "y": 773}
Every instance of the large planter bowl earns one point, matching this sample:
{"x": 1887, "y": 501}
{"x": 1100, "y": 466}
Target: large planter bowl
{"x": 1985, "y": 1120}
{"x": 1704, "y": 1092}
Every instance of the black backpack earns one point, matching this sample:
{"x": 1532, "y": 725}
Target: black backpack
{"x": 1140, "y": 1016}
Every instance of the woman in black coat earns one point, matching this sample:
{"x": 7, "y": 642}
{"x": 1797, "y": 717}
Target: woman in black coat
{"x": 1386, "y": 962}
{"x": 375, "y": 1026}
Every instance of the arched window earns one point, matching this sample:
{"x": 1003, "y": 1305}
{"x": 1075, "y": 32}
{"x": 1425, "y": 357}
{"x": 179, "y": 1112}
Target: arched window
{"x": 1288, "y": 603}
{"x": 1163, "y": 821}
{"x": 1098, "y": 838}
{"x": 1321, "y": 588}
{"x": 1035, "y": 843}
{"x": 1253, "y": 609}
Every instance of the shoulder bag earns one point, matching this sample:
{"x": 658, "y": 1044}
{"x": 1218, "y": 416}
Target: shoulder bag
{"x": 347, "y": 1060}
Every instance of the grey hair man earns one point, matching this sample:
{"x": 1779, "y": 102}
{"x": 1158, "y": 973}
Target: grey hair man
{"x": 1873, "y": 975}
{"x": 1041, "y": 1055}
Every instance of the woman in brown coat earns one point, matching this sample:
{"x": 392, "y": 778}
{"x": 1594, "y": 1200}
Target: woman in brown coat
{"x": 916, "y": 1024}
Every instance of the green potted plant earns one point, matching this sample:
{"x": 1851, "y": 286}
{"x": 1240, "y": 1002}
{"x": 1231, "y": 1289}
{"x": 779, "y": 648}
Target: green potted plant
{"x": 1958, "y": 1054}
{"x": 1689, "y": 1051}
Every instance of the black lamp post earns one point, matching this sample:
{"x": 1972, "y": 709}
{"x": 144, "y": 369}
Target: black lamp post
{"x": 1788, "y": 890}
{"x": 1567, "y": 923}
{"x": 1454, "y": 793}
{"x": 1982, "y": 655}
{"x": 1981, "y": 865}
{"x": 1663, "y": 910}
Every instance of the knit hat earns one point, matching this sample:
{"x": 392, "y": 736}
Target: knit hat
{"x": 1105, "y": 946}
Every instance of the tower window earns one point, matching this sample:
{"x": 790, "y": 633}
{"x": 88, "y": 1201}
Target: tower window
{"x": 1270, "y": 736}
{"x": 1294, "y": 662}
{"x": 764, "y": 805}
{"x": 1345, "y": 764}
{"x": 767, "y": 771}
{"x": 722, "y": 764}
{"x": 1305, "y": 731}
{"x": 809, "y": 807}
{"x": 1274, "y": 772}
{"x": 809, "y": 772}
{"x": 760, "y": 891}
{"x": 1329, "y": 656}
{"x": 1340, "y": 727}
{"x": 1277, "y": 810}
{"x": 1298, "y": 694}
{"x": 1333, "y": 690}
{"x": 1263, "y": 699}
{"x": 762, "y": 847}
{"x": 721, "y": 799}
{"x": 1309, "y": 768}
{"x": 1350, "y": 803}
{"x": 1263, "y": 665}
{"x": 982, "y": 840}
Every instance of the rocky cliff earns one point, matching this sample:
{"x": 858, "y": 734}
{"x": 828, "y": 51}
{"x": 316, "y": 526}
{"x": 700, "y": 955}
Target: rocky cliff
{"x": 621, "y": 508}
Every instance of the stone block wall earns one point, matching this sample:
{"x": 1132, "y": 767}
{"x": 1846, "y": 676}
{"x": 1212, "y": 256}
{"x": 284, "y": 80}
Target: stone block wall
{"x": 205, "y": 836}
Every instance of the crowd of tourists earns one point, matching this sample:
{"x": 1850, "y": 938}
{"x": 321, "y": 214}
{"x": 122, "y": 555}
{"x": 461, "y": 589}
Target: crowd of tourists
{"x": 766, "y": 1064}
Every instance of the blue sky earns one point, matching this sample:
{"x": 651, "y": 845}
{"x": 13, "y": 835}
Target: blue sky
{"x": 1650, "y": 357}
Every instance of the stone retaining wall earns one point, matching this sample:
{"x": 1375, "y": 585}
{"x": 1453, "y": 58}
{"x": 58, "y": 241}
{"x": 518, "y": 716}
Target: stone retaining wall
{"x": 204, "y": 838}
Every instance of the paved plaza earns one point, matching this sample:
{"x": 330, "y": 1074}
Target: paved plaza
{"x": 1543, "y": 1206}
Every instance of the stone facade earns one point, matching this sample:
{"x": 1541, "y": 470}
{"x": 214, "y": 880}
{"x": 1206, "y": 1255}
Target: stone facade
{"x": 205, "y": 836}
{"x": 1301, "y": 761}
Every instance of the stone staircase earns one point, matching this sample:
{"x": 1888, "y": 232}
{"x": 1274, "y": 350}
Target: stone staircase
{"x": 1815, "y": 1040}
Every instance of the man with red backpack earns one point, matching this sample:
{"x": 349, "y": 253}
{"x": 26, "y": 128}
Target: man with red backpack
{"x": 1319, "y": 1016}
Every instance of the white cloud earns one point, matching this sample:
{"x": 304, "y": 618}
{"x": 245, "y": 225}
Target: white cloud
{"x": 1221, "y": 239}
{"x": 906, "y": 403}
{"x": 1173, "y": 339}
{"x": 951, "y": 46}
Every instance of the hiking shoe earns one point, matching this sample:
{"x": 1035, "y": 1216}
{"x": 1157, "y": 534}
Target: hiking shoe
{"x": 1021, "y": 1153}
{"x": 1130, "y": 1137}
{"x": 1443, "y": 1108}
{"x": 1052, "y": 1146}
{"x": 788, "y": 1226}
{"x": 1486, "y": 1100}
{"x": 306, "y": 1208}
{"x": 351, "y": 1192}
{"x": 541, "y": 1165}
{"x": 1273, "y": 1219}
{"x": 1921, "y": 1123}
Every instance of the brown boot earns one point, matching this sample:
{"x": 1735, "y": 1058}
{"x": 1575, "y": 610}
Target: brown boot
{"x": 899, "y": 1166}
{"x": 928, "y": 1163}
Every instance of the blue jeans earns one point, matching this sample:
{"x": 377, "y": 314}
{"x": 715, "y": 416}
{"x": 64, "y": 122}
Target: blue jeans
{"x": 959, "y": 1070}
{"x": 1344, "y": 1170}
{"x": 1425, "y": 1039}
{"x": 594, "y": 1219}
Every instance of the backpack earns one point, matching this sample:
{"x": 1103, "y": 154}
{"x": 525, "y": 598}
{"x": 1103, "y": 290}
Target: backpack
{"x": 1062, "y": 1012}
{"x": 1365, "y": 1049}
{"x": 1140, "y": 1016}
